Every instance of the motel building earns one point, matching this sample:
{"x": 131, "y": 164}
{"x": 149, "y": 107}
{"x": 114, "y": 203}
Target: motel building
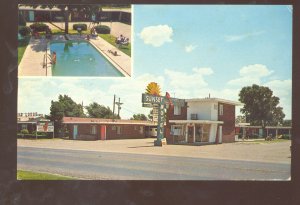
{"x": 106, "y": 129}
{"x": 28, "y": 121}
{"x": 202, "y": 121}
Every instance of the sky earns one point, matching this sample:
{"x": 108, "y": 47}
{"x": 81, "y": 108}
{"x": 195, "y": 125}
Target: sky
{"x": 191, "y": 51}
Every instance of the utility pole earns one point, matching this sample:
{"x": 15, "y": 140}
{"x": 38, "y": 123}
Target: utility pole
{"x": 114, "y": 107}
{"x": 119, "y": 107}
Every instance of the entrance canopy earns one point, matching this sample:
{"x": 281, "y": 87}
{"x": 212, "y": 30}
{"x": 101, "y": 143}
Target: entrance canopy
{"x": 196, "y": 122}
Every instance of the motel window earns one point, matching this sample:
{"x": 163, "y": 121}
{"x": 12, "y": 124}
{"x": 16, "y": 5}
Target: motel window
{"x": 118, "y": 130}
{"x": 135, "y": 127}
{"x": 221, "y": 110}
{"x": 93, "y": 130}
{"x": 176, "y": 130}
{"x": 215, "y": 106}
{"x": 141, "y": 130}
{"x": 177, "y": 110}
{"x": 24, "y": 127}
{"x": 113, "y": 128}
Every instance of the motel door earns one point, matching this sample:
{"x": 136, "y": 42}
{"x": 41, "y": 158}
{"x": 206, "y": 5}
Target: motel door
{"x": 75, "y": 132}
{"x": 220, "y": 134}
{"x": 190, "y": 134}
{"x": 103, "y": 132}
{"x": 31, "y": 16}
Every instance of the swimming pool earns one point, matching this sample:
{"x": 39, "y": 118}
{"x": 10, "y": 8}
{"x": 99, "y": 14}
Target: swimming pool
{"x": 80, "y": 58}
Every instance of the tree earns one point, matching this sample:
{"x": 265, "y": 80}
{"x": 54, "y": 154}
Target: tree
{"x": 260, "y": 106}
{"x": 64, "y": 107}
{"x": 240, "y": 119}
{"x": 139, "y": 117}
{"x": 287, "y": 123}
{"x": 99, "y": 111}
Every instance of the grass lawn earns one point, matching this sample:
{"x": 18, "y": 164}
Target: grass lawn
{"x": 111, "y": 39}
{"x": 22, "y": 44}
{"x": 28, "y": 175}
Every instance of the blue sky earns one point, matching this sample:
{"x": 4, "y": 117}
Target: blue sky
{"x": 191, "y": 51}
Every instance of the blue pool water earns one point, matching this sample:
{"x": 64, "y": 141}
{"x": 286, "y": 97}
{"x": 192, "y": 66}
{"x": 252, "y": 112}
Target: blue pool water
{"x": 80, "y": 58}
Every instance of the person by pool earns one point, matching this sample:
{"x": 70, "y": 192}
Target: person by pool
{"x": 53, "y": 57}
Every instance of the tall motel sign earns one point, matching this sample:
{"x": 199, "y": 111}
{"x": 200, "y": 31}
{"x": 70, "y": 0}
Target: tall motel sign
{"x": 160, "y": 104}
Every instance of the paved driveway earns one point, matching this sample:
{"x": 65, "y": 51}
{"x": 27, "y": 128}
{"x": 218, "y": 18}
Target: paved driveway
{"x": 246, "y": 151}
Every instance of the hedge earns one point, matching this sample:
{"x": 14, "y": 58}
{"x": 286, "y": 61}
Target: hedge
{"x": 80, "y": 25}
{"x": 102, "y": 29}
{"x": 39, "y": 27}
{"x": 24, "y": 30}
{"x": 21, "y": 21}
{"x": 24, "y": 131}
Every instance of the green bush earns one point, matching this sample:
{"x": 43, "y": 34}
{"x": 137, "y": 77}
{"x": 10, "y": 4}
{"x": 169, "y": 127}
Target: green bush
{"x": 24, "y": 131}
{"x": 21, "y": 21}
{"x": 80, "y": 25}
{"x": 102, "y": 29}
{"x": 24, "y": 30}
{"x": 286, "y": 136}
{"x": 39, "y": 27}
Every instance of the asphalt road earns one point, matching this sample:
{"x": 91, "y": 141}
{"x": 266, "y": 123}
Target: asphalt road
{"x": 114, "y": 166}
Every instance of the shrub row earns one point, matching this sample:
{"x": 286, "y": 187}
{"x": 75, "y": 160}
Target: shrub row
{"x": 24, "y": 30}
{"x": 39, "y": 27}
{"x": 102, "y": 29}
{"x": 80, "y": 25}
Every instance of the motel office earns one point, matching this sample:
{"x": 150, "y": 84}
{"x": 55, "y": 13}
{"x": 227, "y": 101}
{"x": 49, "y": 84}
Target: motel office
{"x": 204, "y": 120}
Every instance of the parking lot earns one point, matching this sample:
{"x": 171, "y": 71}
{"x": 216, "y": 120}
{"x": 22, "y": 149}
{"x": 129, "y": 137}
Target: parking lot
{"x": 248, "y": 151}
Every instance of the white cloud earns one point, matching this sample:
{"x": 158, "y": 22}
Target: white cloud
{"x": 182, "y": 80}
{"x": 231, "y": 38}
{"x": 156, "y": 35}
{"x": 190, "y": 48}
{"x": 251, "y": 74}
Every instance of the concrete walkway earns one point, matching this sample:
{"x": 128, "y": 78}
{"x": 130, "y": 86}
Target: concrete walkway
{"x": 32, "y": 61}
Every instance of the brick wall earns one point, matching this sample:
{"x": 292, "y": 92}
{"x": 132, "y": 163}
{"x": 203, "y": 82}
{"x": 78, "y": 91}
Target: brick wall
{"x": 182, "y": 116}
{"x": 228, "y": 117}
{"x": 171, "y": 116}
{"x": 127, "y": 132}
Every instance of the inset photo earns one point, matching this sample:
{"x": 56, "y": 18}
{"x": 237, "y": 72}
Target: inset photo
{"x": 74, "y": 40}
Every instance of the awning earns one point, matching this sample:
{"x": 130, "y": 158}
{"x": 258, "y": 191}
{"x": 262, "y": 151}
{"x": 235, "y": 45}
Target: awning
{"x": 196, "y": 122}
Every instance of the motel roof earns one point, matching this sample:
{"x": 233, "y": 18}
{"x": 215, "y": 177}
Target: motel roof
{"x": 81, "y": 120}
{"x": 38, "y": 8}
{"x": 230, "y": 102}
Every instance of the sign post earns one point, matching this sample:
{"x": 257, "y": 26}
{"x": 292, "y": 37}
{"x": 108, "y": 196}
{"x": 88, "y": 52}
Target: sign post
{"x": 160, "y": 102}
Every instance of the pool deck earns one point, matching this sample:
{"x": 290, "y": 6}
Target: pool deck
{"x": 32, "y": 61}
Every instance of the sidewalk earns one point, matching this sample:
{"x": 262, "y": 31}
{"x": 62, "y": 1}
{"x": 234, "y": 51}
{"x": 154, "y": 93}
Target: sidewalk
{"x": 275, "y": 152}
